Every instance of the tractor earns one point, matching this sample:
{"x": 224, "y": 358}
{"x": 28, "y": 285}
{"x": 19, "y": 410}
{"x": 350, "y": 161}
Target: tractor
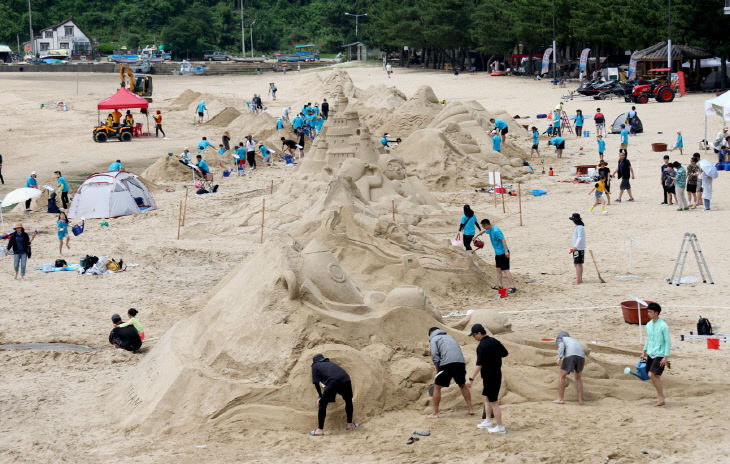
{"x": 105, "y": 132}
{"x": 659, "y": 88}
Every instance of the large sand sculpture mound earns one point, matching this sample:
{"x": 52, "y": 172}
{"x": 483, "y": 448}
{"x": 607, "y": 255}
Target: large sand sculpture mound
{"x": 224, "y": 118}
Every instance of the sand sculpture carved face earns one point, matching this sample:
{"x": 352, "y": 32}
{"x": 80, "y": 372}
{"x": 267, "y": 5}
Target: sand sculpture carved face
{"x": 393, "y": 168}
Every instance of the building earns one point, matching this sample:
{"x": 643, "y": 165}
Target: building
{"x": 66, "y": 35}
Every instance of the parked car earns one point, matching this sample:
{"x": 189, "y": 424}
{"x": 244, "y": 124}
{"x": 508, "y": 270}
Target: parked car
{"x": 214, "y": 55}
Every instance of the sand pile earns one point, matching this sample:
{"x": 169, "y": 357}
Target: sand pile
{"x": 224, "y": 118}
{"x": 456, "y": 150}
{"x": 415, "y": 113}
{"x": 185, "y": 99}
{"x": 168, "y": 169}
{"x": 261, "y": 127}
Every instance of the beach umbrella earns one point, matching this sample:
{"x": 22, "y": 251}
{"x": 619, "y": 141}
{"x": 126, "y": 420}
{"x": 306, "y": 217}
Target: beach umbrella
{"x": 15, "y": 197}
{"x": 708, "y": 168}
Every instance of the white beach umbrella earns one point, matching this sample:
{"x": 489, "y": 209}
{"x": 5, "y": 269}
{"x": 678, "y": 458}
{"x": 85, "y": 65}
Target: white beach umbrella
{"x": 15, "y": 197}
{"x": 708, "y": 168}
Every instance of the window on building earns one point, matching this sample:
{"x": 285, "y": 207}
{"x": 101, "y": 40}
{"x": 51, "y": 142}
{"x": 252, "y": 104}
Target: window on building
{"x": 48, "y": 34}
{"x": 44, "y": 46}
{"x": 64, "y": 45}
{"x": 68, "y": 30}
{"x": 82, "y": 48}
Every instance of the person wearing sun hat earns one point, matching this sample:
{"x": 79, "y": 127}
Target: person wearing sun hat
{"x": 20, "y": 244}
{"x": 578, "y": 246}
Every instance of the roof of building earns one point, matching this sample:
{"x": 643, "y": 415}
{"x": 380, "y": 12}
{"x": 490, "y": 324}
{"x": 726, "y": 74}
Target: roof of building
{"x": 71, "y": 19}
{"x": 658, "y": 52}
{"x": 353, "y": 44}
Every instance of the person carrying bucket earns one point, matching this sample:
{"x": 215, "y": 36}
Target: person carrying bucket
{"x": 656, "y": 349}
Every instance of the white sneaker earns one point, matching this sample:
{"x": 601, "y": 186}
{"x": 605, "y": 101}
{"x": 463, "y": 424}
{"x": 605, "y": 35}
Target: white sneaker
{"x": 497, "y": 429}
{"x": 485, "y": 424}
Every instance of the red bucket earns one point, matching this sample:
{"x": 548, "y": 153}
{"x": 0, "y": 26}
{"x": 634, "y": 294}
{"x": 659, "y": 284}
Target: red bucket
{"x": 713, "y": 343}
{"x": 503, "y": 293}
{"x": 500, "y": 190}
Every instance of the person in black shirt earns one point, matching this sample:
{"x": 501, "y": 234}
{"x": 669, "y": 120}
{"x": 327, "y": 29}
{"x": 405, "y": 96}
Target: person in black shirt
{"x": 325, "y": 108}
{"x": 300, "y": 142}
{"x": 489, "y": 362}
{"x": 288, "y": 145}
{"x": 625, "y": 173}
{"x": 126, "y": 338}
{"x": 336, "y": 382}
{"x": 604, "y": 172}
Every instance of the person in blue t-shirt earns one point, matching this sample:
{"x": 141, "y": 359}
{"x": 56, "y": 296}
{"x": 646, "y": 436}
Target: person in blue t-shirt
{"x": 318, "y": 123}
{"x": 31, "y": 182}
{"x": 535, "y": 141}
{"x": 204, "y": 144}
{"x": 496, "y": 142}
{"x": 265, "y": 154}
{"x": 601, "y": 147}
{"x": 680, "y": 143}
{"x": 624, "y": 137}
{"x": 63, "y": 188}
{"x": 468, "y": 225}
{"x": 203, "y": 168}
{"x": 501, "y": 253}
{"x": 297, "y": 122}
{"x": 556, "y": 123}
{"x": 384, "y": 141}
{"x": 578, "y": 122}
{"x": 116, "y": 166}
{"x": 201, "y": 111}
{"x": 559, "y": 144}
{"x": 501, "y": 127}
{"x": 279, "y": 124}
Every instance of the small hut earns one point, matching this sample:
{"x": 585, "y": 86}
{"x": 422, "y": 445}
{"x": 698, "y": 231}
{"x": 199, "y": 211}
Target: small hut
{"x": 656, "y": 57}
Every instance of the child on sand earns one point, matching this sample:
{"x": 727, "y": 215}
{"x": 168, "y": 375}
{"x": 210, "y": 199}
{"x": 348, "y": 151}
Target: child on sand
{"x": 680, "y": 143}
{"x": 578, "y": 122}
{"x": 63, "y": 232}
{"x": 496, "y": 141}
{"x": 535, "y": 141}
{"x": 599, "y": 188}
{"x": 132, "y": 313}
{"x": 669, "y": 184}
{"x": 604, "y": 173}
{"x": 221, "y": 151}
{"x": 559, "y": 144}
{"x": 601, "y": 147}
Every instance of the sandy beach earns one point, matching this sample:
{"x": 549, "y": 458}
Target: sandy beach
{"x": 106, "y": 404}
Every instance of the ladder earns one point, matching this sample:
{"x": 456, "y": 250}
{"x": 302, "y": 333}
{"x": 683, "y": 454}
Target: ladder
{"x": 690, "y": 240}
{"x": 565, "y": 122}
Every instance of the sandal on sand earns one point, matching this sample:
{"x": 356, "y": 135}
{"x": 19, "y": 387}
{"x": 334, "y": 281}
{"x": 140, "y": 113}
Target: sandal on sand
{"x": 354, "y": 426}
{"x": 315, "y": 434}
{"x": 496, "y": 287}
{"x": 512, "y": 290}
{"x": 412, "y": 440}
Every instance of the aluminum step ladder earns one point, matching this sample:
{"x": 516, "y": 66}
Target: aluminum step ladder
{"x": 690, "y": 240}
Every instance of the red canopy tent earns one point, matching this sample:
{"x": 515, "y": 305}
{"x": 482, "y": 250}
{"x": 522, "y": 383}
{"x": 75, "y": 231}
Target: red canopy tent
{"x": 122, "y": 100}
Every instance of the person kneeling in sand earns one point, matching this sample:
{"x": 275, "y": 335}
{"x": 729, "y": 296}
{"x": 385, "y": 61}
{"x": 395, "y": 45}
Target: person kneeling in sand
{"x": 126, "y": 338}
{"x": 571, "y": 357}
{"x": 450, "y": 364}
{"x": 336, "y": 382}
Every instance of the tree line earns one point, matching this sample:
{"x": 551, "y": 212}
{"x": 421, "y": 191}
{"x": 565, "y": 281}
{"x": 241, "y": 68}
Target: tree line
{"x": 445, "y": 31}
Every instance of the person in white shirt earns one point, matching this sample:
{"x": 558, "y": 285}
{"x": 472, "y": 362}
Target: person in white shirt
{"x": 250, "y": 151}
{"x": 388, "y": 70}
{"x": 579, "y": 246}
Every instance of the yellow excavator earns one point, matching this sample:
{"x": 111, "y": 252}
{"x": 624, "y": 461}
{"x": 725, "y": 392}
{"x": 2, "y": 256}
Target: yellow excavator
{"x": 140, "y": 84}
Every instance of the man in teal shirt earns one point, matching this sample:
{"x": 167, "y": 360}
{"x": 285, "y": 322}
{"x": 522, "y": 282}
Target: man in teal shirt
{"x": 656, "y": 349}
{"x": 63, "y": 188}
{"x": 624, "y": 137}
{"x": 116, "y": 166}
{"x": 501, "y": 253}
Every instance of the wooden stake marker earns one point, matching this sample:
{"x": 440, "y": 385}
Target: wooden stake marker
{"x": 263, "y": 209}
{"x": 272, "y": 187}
{"x": 179, "y": 220}
{"x": 185, "y": 208}
{"x": 393, "y": 208}
{"x": 519, "y": 198}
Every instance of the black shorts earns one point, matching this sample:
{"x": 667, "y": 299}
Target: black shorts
{"x": 608, "y": 188}
{"x": 343, "y": 389}
{"x": 504, "y": 131}
{"x": 201, "y": 114}
{"x": 534, "y": 146}
{"x": 625, "y": 184}
{"x": 671, "y": 189}
{"x": 692, "y": 188}
{"x": 652, "y": 365}
{"x": 560, "y": 146}
{"x": 573, "y": 363}
{"x": 579, "y": 256}
{"x": 492, "y": 383}
{"x": 456, "y": 371}
{"x": 502, "y": 262}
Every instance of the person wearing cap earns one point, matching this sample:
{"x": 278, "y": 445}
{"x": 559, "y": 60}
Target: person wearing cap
{"x": 250, "y": 146}
{"x": 116, "y": 166}
{"x": 20, "y": 244}
{"x": 63, "y": 188}
{"x": 31, "y": 182}
{"x": 449, "y": 361}
{"x": 126, "y": 338}
{"x": 489, "y": 363}
{"x": 571, "y": 358}
{"x": 158, "y": 125}
{"x": 336, "y": 381}
{"x": 578, "y": 247}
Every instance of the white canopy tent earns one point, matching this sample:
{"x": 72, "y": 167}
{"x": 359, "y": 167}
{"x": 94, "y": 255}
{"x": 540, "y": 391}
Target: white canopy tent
{"x": 719, "y": 106}
{"x": 109, "y": 195}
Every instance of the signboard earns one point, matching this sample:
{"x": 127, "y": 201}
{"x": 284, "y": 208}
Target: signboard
{"x": 584, "y": 59}
{"x": 632, "y": 69}
{"x": 546, "y": 61}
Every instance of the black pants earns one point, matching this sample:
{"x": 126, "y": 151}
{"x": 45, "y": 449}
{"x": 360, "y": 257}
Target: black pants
{"x": 251, "y": 158}
{"x": 328, "y": 396}
{"x": 578, "y": 130}
{"x": 467, "y": 241}
{"x": 27, "y": 204}
{"x": 158, "y": 129}
{"x": 1, "y": 174}
{"x": 666, "y": 191}
{"x": 64, "y": 199}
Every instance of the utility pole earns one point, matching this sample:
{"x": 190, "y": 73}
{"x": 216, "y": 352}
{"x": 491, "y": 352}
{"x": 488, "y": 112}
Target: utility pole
{"x": 243, "y": 35}
{"x": 30, "y": 26}
{"x": 669, "y": 38}
{"x": 555, "y": 51}
{"x": 251, "y": 29}
{"x": 357, "y": 16}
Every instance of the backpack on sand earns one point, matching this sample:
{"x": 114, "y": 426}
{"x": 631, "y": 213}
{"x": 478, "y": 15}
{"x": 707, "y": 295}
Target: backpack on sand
{"x": 704, "y": 327}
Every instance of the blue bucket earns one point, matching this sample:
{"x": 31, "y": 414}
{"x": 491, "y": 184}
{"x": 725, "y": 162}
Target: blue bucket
{"x": 538, "y": 192}
{"x": 727, "y": 166}
{"x": 226, "y": 173}
{"x": 720, "y": 166}
{"x": 586, "y": 134}
{"x": 641, "y": 370}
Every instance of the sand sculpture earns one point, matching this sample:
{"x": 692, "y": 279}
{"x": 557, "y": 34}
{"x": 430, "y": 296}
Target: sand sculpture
{"x": 243, "y": 361}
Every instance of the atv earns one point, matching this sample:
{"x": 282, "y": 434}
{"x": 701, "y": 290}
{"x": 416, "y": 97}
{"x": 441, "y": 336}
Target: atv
{"x": 105, "y": 132}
